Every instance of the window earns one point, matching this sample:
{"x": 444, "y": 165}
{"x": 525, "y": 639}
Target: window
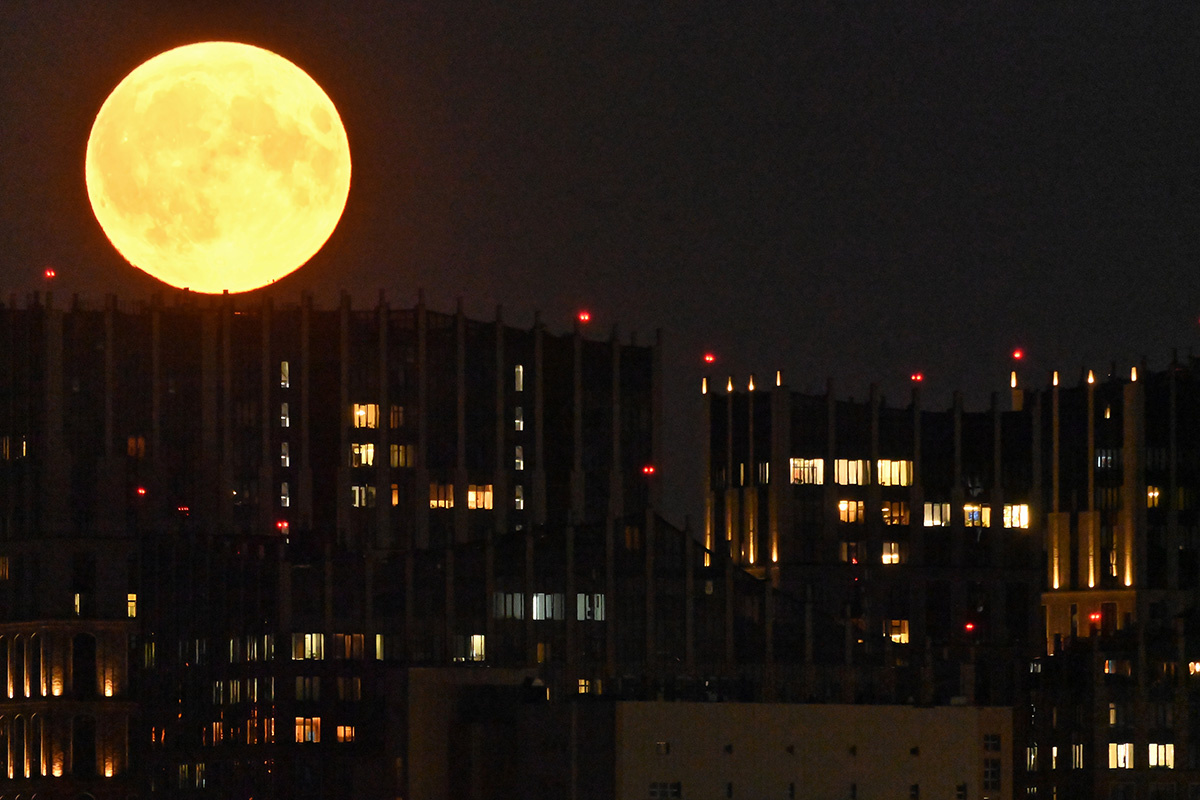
{"x": 348, "y": 646}
{"x": 285, "y": 419}
{"x": 479, "y": 497}
{"x": 548, "y": 606}
{"x": 1162, "y": 756}
{"x": 403, "y": 455}
{"x": 345, "y": 733}
{"x": 848, "y": 552}
{"x": 308, "y": 687}
{"x": 991, "y": 742}
{"x": 519, "y": 458}
{"x": 584, "y": 686}
{"x": 519, "y": 498}
{"x": 1016, "y": 516}
{"x": 509, "y": 605}
{"x": 362, "y": 496}
{"x": 285, "y": 495}
{"x": 891, "y": 552}
{"x": 131, "y": 605}
{"x": 349, "y": 688}
{"x": 1077, "y": 756}
{"x": 362, "y": 455}
{"x": 366, "y": 415}
{"x": 1108, "y": 458}
{"x": 1031, "y": 758}
{"x": 914, "y": 791}
{"x": 441, "y": 495}
{"x": 396, "y": 417}
{"x": 285, "y": 375}
{"x": 285, "y": 458}
{"x": 850, "y": 511}
{"x": 1120, "y": 755}
{"x": 136, "y": 447}
{"x": 808, "y": 470}
{"x": 895, "y": 512}
{"x": 977, "y": 516}
{"x": 308, "y": 730}
{"x": 937, "y": 515}
{"x": 4, "y": 574}
{"x": 895, "y": 473}
{"x": 519, "y": 378}
{"x": 469, "y": 648}
{"x": 1152, "y": 493}
{"x": 896, "y": 630}
{"x": 960, "y": 792}
{"x": 991, "y": 774}
{"x": 308, "y": 646}
{"x": 849, "y": 472}
{"x": 589, "y": 606}
{"x": 518, "y": 420}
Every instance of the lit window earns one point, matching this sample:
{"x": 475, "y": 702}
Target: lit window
{"x": 477, "y": 650}
{"x": 896, "y": 630}
{"x": 136, "y": 447}
{"x": 78, "y": 604}
{"x": 285, "y": 419}
{"x": 345, "y": 733}
{"x": 850, "y": 510}
{"x": 479, "y": 497}
{"x": 937, "y": 515}
{"x": 441, "y": 495}
{"x": 585, "y": 686}
{"x": 1120, "y": 755}
{"x": 519, "y": 458}
{"x": 548, "y": 606}
{"x": 895, "y": 473}
{"x": 395, "y": 494}
{"x": 1077, "y": 756}
{"x": 519, "y": 498}
{"x": 362, "y": 455}
{"x": 131, "y": 605}
{"x": 366, "y": 415}
{"x": 1031, "y": 758}
{"x": 1162, "y": 755}
{"x": 306, "y": 646}
{"x": 808, "y": 470}
{"x": 519, "y": 419}
{"x": 977, "y": 516}
{"x": 589, "y": 606}
{"x": 891, "y": 552}
{"x": 1016, "y": 516}
{"x": 849, "y": 472}
{"x": 1108, "y": 458}
{"x": 402, "y": 455}
{"x": 1152, "y": 493}
{"x": 509, "y": 605}
{"x": 848, "y": 552}
{"x": 308, "y": 730}
{"x": 285, "y": 495}
{"x": 285, "y": 458}
{"x": 362, "y": 496}
{"x": 519, "y": 378}
{"x": 396, "y": 417}
{"x": 285, "y": 375}
{"x": 895, "y": 512}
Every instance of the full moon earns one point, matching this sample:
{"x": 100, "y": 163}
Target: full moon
{"x": 218, "y": 166}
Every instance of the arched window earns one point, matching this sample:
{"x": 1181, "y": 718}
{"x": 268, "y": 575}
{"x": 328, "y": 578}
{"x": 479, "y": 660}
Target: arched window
{"x": 83, "y": 665}
{"x": 37, "y": 681}
{"x": 83, "y": 747}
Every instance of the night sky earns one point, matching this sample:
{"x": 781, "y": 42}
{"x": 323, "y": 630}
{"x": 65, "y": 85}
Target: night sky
{"x": 827, "y": 189}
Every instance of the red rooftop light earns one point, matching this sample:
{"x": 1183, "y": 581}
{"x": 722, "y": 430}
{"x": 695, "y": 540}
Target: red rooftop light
{"x": 1094, "y": 616}
{"x": 141, "y": 490}
{"x": 282, "y": 525}
{"x": 1018, "y": 354}
{"x": 970, "y": 626}
{"x": 648, "y": 469}
{"x": 709, "y": 358}
{"x": 49, "y": 273}
{"x": 584, "y": 316}
{"x": 917, "y": 377}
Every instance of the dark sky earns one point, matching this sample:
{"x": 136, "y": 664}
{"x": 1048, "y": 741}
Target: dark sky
{"x": 828, "y": 189}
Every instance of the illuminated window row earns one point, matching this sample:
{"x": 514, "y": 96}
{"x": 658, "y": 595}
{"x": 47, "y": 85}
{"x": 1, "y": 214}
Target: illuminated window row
{"x": 852, "y": 472}
{"x": 13, "y": 447}
{"x": 400, "y": 455}
{"x": 891, "y": 553}
{"x": 249, "y": 690}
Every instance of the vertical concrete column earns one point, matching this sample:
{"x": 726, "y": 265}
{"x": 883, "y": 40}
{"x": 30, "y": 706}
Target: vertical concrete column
{"x": 384, "y": 534}
{"x": 460, "y": 425}
{"x": 156, "y": 385}
{"x": 651, "y": 657}
{"x": 305, "y": 442}
{"x": 749, "y": 491}
{"x": 345, "y": 523}
{"x": 575, "y": 514}
{"x": 420, "y": 539}
{"x": 998, "y": 545}
{"x": 958, "y": 590}
{"x": 539, "y": 433}
{"x": 501, "y": 491}
{"x": 1174, "y": 506}
{"x": 656, "y": 417}
{"x": 55, "y": 485}
{"x": 732, "y": 483}
{"x": 226, "y": 459}
{"x": 614, "y": 517}
{"x": 827, "y": 547}
{"x": 112, "y": 494}
{"x": 1090, "y": 565}
{"x": 781, "y": 514}
{"x": 916, "y": 525}
{"x": 212, "y": 503}
{"x": 708, "y": 393}
{"x": 269, "y": 459}
{"x": 689, "y": 600}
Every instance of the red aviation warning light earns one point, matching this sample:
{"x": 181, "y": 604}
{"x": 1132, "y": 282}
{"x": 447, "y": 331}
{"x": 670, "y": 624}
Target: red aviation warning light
{"x": 584, "y": 317}
{"x": 141, "y": 490}
{"x": 709, "y": 358}
{"x": 917, "y": 377}
{"x": 49, "y": 273}
{"x": 970, "y": 626}
{"x": 282, "y": 525}
{"x": 1018, "y": 354}
{"x": 1094, "y": 616}
{"x": 648, "y": 469}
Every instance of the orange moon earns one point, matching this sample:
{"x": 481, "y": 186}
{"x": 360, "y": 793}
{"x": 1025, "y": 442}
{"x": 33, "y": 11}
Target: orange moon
{"x": 218, "y": 166}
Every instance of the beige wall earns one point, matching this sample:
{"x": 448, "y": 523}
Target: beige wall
{"x": 833, "y": 746}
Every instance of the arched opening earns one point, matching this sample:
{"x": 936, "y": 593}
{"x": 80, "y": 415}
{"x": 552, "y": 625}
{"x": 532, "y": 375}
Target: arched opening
{"x": 83, "y": 747}
{"x": 83, "y": 665}
{"x": 5, "y": 722}
{"x": 16, "y": 663}
{"x": 37, "y": 682}
{"x": 20, "y": 766}
{"x": 4, "y": 647}
{"x": 37, "y": 745}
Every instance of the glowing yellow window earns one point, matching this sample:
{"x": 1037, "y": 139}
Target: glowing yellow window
{"x": 895, "y": 512}
{"x": 895, "y": 473}
{"x": 308, "y": 729}
{"x": 366, "y": 415}
{"x": 849, "y": 472}
{"x": 897, "y": 630}
{"x": 441, "y": 495}
{"x": 1152, "y": 493}
{"x": 345, "y": 733}
{"x": 479, "y": 497}
{"x": 977, "y": 516}
{"x": 131, "y": 605}
{"x": 808, "y": 470}
{"x": 1016, "y": 516}
{"x": 362, "y": 455}
{"x": 850, "y": 510}
{"x": 891, "y": 552}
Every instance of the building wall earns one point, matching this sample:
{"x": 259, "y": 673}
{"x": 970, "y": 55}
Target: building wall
{"x": 778, "y": 750}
